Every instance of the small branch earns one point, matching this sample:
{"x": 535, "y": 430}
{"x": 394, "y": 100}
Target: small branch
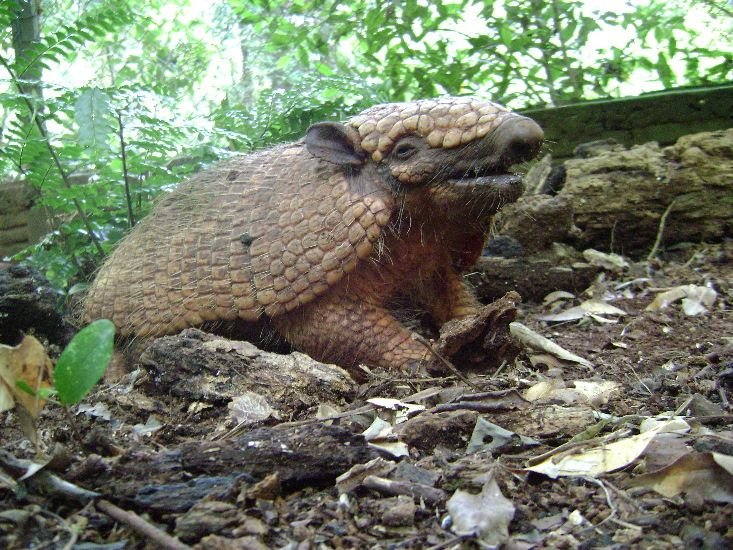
{"x": 660, "y": 231}
{"x": 159, "y": 538}
{"x": 125, "y": 172}
{"x": 477, "y": 406}
{"x": 450, "y": 366}
{"x": 70, "y": 421}
{"x": 382, "y": 485}
{"x": 42, "y": 481}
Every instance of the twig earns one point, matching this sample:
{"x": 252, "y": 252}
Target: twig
{"x": 70, "y": 420}
{"x": 427, "y": 493}
{"x": 496, "y": 394}
{"x": 680, "y": 410}
{"x": 43, "y": 481}
{"x": 159, "y": 538}
{"x": 612, "y": 517}
{"x": 501, "y": 368}
{"x": 640, "y": 380}
{"x": 125, "y": 172}
{"x": 660, "y": 232}
{"x": 609, "y": 500}
{"x": 623, "y": 495}
{"x": 451, "y": 542}
{"x": 474, "y": 406}
{"x": 283, "y": 425}
{"x": 450, "y": 366}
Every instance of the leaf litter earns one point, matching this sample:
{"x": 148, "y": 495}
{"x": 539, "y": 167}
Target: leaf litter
{"x": 599, "y": 434}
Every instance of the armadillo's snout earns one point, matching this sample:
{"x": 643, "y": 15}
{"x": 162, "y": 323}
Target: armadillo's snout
{"x": 518, "y": 139}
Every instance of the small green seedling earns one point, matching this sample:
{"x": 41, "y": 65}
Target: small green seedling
{"x": 83, "y": 362}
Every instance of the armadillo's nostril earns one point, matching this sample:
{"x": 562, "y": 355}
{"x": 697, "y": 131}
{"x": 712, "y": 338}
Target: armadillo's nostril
{"x": 520, "y": 139}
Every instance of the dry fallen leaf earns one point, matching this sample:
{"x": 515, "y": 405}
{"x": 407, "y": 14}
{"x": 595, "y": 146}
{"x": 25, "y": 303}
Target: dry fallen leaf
{"x": 543, "y": 389}
{"x": 380, "y": 436}
{"x": 27, "y": 363}
{"x": 590, "y": 308}
{"x": 402, "y": 410}
{"x": 601, "y": 459}
{"x": 724, "y": 461}
{"x": 98, "y": 410}
{"x": 491, "y": 437}
{"x": 555, "y": 296}
{"x": 596, "y": 393}
{"x": 552, "y": 362}
{"x": 151, "y": 425}
{"x": 249, "y": 408}
{"x": 695, "y": 474}
{"x": 351, "y": 479}
{"x": 486, "y": 515}
{"x": 530, "y": 338}
{"x": 610, "y": 262}
{"x": 592, "y": 392}
{"x": 695, "y": 299}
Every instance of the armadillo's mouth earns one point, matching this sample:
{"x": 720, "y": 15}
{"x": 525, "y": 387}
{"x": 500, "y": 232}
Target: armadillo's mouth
{"x": 507, "y": 186}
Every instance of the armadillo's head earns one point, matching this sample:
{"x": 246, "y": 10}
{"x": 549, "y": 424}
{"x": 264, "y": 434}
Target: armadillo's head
{"x": 458, "y": 148}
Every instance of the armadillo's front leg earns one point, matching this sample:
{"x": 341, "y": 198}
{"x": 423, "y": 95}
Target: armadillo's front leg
{"x": 447, "y": 297}
{"x": 346, "y": 329}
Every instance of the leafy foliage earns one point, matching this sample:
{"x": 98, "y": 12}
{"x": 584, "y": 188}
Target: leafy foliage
{"x": 519, "y": 52}
{"x": 170, "y": 88}
{"x": 68, "y": 39}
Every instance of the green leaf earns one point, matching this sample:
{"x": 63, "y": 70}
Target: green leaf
{"x": 93, "y": 115}
{"x": 84, "y": 361}
{"x": 664, "y": 70}
{"x": 505, "y": 33}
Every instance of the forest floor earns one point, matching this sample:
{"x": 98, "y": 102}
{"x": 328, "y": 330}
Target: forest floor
{"x": 639, "y": 454}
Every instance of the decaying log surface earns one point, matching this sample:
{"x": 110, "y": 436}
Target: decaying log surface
{"x": 619, "y": 197}
{"x": 28, "y": 302}
{"x": 203, "y": 367}
{"x": 532, "y": 276}
{"x": 176, "y": 478}
{"x": 612, "y": 200}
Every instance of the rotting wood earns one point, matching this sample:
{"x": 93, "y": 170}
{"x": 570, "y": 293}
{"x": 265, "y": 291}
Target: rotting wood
{"x": 302, "y": 457}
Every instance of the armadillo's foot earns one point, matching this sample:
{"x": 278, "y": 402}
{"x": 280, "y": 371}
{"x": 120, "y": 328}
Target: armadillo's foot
{"x": 447, "y": 297}
{"x": 345, "y": 330}
{"x": 481, "y": 341}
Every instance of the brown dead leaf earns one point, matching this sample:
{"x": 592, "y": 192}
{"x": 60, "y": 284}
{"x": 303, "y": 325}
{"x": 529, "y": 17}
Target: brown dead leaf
{"x": 695, "y": 474}
{"x": 27, "y": 363}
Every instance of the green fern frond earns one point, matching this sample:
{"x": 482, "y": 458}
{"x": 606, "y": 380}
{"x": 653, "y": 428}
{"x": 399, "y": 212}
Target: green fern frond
{"x": 64, "y": 43}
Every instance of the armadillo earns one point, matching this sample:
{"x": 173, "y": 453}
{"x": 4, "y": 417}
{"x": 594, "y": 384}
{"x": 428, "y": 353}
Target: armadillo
{"x": 320, "y": 236}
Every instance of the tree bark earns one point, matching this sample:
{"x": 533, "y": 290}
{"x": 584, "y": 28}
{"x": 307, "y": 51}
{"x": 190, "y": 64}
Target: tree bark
{"x": 26, "y": 29}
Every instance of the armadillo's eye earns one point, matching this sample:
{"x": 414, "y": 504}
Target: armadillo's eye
{"x": 404, "y": 151}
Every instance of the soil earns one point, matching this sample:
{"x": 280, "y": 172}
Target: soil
{"x": 174, "y": 459}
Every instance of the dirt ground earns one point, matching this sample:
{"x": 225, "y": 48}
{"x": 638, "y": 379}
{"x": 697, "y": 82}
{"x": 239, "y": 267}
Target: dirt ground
{"x": 153, "y": 446}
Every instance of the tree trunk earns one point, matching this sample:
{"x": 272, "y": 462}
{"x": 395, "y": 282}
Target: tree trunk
{"x": 27, "y": 33}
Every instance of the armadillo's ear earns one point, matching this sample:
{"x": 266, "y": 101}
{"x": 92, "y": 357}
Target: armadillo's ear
{"x": 335, "y": 143}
